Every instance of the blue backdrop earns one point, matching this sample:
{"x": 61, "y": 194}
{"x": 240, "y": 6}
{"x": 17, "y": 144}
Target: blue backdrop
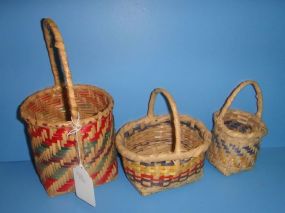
{"x": 198, "y": 50}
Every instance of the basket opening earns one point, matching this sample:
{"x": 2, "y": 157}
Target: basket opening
{"x": 51, "y": 106}
{"x": 156, "y": 138}
{"x": 238, "y": 126}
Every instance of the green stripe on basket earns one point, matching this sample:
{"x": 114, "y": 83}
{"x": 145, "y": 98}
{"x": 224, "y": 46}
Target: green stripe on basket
{"x": 102, "y": 161}
{"x": 61, "y": 152}
{"x": 40, "y": 149}
{"x": 89, "y": 145}
{"x": 41, "y": 166}
{"x": 59, "y": 173}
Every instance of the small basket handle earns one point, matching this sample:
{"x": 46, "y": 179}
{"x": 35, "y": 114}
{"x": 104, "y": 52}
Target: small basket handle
{"x": 54, "y": 40}
{"x": 173, "y": 108}
{"x": 234, "y": 93}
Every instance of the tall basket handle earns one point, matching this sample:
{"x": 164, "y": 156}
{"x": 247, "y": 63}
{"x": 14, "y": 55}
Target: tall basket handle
{"x": 55, "y": 47}
{"x": 234, "y": 93}
{"x": 173, "y": 108}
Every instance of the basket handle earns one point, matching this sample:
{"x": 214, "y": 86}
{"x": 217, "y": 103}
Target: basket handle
{"x": 55, "y": 47}
{"x": 234, "y": 93}
{"x": 173, "y": 108}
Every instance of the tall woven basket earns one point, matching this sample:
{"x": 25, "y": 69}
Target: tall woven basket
{"x": 162, "y": 152}
{"x": 48, "y": 114}
{"x": 236, "y": 135}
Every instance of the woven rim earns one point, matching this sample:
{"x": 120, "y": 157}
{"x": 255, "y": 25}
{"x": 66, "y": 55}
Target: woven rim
{"x": 259, "y": 129}
{"x": 35, "y": 121}
{"x": 259, "y": 126}
{"x": 150, "y": 118}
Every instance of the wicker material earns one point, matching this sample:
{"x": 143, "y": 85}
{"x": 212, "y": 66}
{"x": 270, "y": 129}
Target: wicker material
{"x": 236, "y": 135}
{"x": 47, "y": 114}
{"x": 161, "y": 152}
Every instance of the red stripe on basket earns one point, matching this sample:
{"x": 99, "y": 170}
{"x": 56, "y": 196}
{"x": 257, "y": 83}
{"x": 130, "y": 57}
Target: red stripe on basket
{"x": 57, "y": 136}
{"x": 66, "y": 186}
{"x": 49, "y": 182}
{"x": 86, "y": 128}
{"x": 108, "y": 173}
{"x": 167, "y": 177}
{"x": 147, "y": 176}
{"x": 163, "y": 178}
{"x": 69, "y": 143}
{"x": 97, "y": 134}
{"x": 106, "y": 122}
{"x": 38, "y": 132}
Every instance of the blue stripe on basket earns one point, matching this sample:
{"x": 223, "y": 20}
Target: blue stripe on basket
{"x": 249, "y": 150}
{"x": 226, "y": 148}
{"x": 236, "y": 150}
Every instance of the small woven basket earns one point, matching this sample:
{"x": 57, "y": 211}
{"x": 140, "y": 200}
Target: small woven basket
{"x": 162, "y": 152}
{"x": 48, "y": 114}
{"x": 236, "y": 135}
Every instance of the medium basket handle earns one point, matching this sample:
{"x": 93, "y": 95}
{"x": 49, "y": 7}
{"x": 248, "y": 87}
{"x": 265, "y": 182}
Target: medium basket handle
{"x": 234, "y": 93}
{"x": 55, "y": 47}
{"x": 173, "y": 108}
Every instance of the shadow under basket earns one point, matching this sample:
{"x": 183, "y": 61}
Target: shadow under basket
{"x": 236, "y": 136}
{"x": 156, "y": 156}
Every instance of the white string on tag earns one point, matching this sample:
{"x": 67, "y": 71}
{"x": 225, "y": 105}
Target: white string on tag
{"x": 76, "y": 127}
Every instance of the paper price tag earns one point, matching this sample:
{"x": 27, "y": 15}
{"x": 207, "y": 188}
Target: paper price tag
{"x": 84, "y": 188}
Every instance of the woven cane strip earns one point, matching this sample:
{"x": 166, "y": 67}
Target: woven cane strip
{"x": 236, "y": 135}
{"x": 230, "y": 158}
{"x": 42, "y": 107}
{"x": 147, "y": 139}
{"x": 97, "y": 137}
{"x": 55, "y": 162}
{"x": 52, "y": 154}
{"x": 161, "y": 170}
{"x": 106, "y": 170}
{"x": 156, "y": 150}
{"x": 97, "y": 163}
{"x": 154, "y": 177}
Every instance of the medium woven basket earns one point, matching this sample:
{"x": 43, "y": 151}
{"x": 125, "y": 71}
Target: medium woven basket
{"x": 236, "y": 135}
{"x": 162, "y": 152}
{"x": 48, "y": 115}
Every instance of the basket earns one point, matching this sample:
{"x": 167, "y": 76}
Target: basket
{"x": 162, "y": 152}
{"x": 236, "y": 135}
{"x": 48, "y": 115}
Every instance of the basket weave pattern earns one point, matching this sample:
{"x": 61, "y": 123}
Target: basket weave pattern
{"x": 159, "y": 153}
{"x": 236, "y": 135}
{"x": 47, "y": 115}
